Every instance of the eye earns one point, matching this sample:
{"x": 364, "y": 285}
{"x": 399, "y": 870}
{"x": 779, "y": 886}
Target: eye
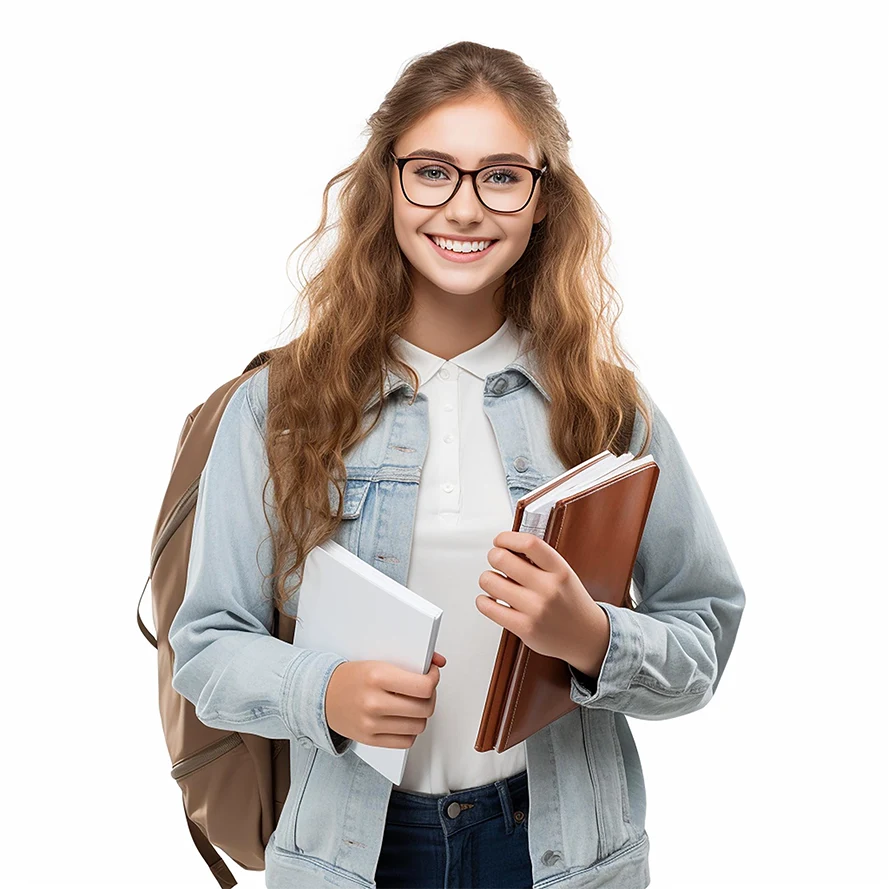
{"x": 432, "y": 169}
{"x": 508, "y": 177}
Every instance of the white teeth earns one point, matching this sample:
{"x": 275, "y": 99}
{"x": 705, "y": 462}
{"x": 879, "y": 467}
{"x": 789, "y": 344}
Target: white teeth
{"x": 462, "y": 246}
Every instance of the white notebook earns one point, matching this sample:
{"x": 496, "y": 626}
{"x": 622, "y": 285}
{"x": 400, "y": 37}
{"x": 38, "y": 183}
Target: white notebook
{"x": 349, "y": 607}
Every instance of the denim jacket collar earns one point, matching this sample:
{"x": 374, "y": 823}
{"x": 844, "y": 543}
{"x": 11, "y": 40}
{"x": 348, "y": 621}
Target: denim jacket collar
{"x": 513, "y": 376}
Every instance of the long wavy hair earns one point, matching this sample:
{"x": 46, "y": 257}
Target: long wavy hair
{"x": 360, "y": 297}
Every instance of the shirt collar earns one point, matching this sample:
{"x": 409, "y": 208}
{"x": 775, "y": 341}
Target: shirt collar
{"x": 525, "y": 363}
{"x": 493, "y": 354}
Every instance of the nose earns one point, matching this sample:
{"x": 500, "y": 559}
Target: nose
{"x": 464, "y": 206}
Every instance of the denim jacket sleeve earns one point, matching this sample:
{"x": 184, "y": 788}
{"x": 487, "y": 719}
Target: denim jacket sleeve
{"x": 666, "y": 656}
{"x": 238, "y": 675}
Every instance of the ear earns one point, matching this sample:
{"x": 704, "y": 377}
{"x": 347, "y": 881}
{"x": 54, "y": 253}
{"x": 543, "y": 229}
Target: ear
{"x": 539, "y": 211}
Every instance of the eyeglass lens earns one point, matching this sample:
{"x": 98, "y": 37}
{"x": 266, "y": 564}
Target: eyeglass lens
{"x": 502, "y": 188}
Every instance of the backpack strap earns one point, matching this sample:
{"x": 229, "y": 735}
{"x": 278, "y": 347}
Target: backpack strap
{"x": 217, "y": 866}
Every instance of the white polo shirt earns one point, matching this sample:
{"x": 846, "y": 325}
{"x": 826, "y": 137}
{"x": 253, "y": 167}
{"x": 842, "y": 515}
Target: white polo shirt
{"x": 463, "y": 503}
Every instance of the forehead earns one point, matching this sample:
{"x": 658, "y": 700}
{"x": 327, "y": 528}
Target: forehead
{"x": 468, "y": 129}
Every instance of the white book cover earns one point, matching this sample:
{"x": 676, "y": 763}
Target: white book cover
{"x": 351, "y": 608}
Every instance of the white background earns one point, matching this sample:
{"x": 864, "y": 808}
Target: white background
{"x": 161, "y": 160}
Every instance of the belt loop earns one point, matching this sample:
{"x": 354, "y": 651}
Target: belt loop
{"x": 506, "y": 803}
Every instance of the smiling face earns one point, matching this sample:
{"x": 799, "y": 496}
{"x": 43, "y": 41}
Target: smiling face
{"x": 470, "y": 130}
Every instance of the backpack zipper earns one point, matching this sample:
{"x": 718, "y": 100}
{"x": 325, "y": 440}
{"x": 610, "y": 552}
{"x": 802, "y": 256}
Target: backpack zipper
{"x": 205, "y": 756}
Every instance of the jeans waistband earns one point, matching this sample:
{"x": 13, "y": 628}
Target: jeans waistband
{"x": 462, "y": 808}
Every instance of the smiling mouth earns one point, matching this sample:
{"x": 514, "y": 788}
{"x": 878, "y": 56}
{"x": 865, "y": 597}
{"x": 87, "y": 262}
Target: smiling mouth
{"x": 459, "y": 254}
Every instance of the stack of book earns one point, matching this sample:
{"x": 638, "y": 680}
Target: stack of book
{"x": 593, "y": 515}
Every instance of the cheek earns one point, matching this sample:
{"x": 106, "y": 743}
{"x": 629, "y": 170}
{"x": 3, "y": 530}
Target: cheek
{"x": 410, "y": 245}
{"x": 407, "y": 220}
{"x": 404, "y": 232}
{"x": 516, "y": 243}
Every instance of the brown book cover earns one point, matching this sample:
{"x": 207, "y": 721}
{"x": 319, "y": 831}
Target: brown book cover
{"x": 596, "y": 530}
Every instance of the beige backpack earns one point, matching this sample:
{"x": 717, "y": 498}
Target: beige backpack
{"x": 233, "y": 784}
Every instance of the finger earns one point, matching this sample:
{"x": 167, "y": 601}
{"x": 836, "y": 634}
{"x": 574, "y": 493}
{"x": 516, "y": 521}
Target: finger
{"x": 405, "y": 706}
{"x": 407, "y": 682}
{"x": 533, "y": 548}
{"x": 516, "y": 568}
{"x": 516, "y": 596}
{"x": 508, "y": 618}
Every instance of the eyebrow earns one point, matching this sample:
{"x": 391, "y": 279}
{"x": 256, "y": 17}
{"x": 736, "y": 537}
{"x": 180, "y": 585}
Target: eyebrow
{"x": 488, "y": 159}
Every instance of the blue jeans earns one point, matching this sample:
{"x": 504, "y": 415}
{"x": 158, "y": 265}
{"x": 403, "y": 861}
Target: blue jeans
{"x": 470, "y": 839}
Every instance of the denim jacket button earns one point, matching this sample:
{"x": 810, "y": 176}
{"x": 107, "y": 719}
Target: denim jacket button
{"x": 520, "y": 463}
{"x": 551, "y": 856}
{"x": 500, "y": 384}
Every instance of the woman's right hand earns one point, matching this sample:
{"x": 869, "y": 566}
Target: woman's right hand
{"x": 377, "y": 703}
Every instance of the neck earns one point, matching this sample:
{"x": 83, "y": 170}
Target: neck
{"x": 448, "y": 324}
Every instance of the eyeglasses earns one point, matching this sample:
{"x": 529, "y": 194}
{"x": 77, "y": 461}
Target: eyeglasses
{"x": 504, "y": 188}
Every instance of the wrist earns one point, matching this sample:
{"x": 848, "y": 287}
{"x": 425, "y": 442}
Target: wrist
{"x": 595, "y": 642}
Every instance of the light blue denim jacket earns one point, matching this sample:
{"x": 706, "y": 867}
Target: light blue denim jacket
{"x": 586, "y": 823}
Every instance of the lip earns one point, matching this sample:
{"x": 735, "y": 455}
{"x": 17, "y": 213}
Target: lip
{"x": 462, "y": 257}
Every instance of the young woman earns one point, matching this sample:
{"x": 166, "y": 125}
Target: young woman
{"x": 460, "y": 351}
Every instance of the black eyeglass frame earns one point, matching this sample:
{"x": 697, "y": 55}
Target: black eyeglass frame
{"x": 401, "y": 161}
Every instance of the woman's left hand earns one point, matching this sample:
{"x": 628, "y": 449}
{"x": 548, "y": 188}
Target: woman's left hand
{"x": 550, "y": 609}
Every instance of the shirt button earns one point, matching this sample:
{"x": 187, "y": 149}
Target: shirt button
{"x": 444, "y": 373}
{"x": 449, "y": 407}
{"x": 447, "y": 487}
{"x": 449, "y": 438}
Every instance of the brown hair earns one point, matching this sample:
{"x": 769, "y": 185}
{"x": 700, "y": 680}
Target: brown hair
{"x": 557, "y": 292}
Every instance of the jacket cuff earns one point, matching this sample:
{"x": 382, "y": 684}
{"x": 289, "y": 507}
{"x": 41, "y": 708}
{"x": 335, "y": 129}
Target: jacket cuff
{"x": 622, "y": 663}
{"x": 304, "y": 693}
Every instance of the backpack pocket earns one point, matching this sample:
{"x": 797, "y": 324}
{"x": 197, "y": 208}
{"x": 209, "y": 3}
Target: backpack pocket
{"x": 222, "y": 795}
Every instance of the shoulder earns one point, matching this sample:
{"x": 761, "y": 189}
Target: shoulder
{"x": 254, "y": 392}
{"x": 635, "y": 394}
{"x": 640, "y": 423}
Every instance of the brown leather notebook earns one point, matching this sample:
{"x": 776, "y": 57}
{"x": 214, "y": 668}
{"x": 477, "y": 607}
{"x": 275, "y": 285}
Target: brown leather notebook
{"x": 597, "y": 530}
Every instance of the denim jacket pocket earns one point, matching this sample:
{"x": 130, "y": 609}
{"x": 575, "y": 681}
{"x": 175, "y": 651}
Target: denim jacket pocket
{"x": 354, "y": 495}
{"x": 302, "y": 760}
{"x": 606, "y": 766}
{"x": 348, "y": 533}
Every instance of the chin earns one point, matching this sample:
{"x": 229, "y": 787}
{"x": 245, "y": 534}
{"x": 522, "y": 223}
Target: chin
{"x": 459, "y": 285}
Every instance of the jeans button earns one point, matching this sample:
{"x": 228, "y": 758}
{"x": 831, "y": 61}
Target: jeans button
{"x": 454, "y": 810}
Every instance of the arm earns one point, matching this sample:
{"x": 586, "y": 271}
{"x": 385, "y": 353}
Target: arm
{"x": 226, "y": 661}
{"x": 665, "y": 657}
